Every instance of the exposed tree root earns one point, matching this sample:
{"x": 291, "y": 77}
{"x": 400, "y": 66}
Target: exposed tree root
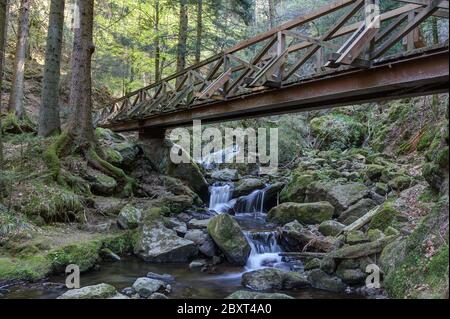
{"x": 12, "y": 124}
{"x": 62, "y": 147}
{"x": 97, "y": 162}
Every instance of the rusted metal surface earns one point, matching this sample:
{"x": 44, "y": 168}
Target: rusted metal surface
{"x": 398, "y": 78}
{"x": 288, "y": 70}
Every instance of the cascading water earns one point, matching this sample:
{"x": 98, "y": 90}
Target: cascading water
{"x": 253, "y": 203}
{"x": 265, "y": 250}
{"x": 220, "y": 198}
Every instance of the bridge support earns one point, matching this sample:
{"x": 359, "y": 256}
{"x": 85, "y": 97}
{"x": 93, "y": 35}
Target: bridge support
{"x": 157, "y": 149}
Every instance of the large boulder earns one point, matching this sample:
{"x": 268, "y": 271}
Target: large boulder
{"x": 340, "y": 196}
{"x": 243, "y": 294}
{"x": 247, "y": 186}
{"x": 101, "y": 291}
{"x": 158, "y": 244}
{"x": 273, "y": 279}
{"x": 307, "y": 213}
{"x": 129, "y": 217}
{"x": 230, "y": 239}
{"x": 321, "y": 280}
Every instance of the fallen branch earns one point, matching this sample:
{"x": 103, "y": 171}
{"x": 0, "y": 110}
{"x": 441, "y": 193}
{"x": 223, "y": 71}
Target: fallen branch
{"x": 302, "y": 255}
{"x": 359, "y": 223}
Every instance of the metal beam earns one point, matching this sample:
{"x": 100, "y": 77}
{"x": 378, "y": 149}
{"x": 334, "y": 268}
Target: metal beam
{"x": 427, "y": 71}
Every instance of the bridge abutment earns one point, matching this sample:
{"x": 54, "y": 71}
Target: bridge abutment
{"x": 157, "y": 149}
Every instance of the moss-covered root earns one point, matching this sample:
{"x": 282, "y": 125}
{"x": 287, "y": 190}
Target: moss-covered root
{"x": 97, "y": 162}
{"x": 52, "y": 154}
{"x": 12, "y": 124}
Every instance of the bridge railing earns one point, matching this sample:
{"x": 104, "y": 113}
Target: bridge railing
{"x": 286, "y": 55}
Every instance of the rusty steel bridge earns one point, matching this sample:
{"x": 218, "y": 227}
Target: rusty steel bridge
{"x": 288, "y": 69}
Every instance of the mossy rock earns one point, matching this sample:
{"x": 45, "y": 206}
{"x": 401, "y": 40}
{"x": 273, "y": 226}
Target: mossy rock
{"x": 85, "y": 255}
{"x": 331, "y": 228}
{"x": 295, "y": 190}
{"x": 374, "y": 172}
{"x": 230, "y": 239}
{"x": 101, "y": 291}
{"x": 307, "y": 213}
{"x": 312, "y": 264}
{"x": 400, "y": 183}
{"x": 384, "y": 218}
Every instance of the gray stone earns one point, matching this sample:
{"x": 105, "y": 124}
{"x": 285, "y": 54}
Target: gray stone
{"x": 197, "y": 236}
{"x": 226, "y": 175}
{"x": 247, "y": 186}
{"x": 321, "y": 280}
{"x": 358, "y": 210}
{"x": 198, "y": 223}
{"x": 157, "y": 295}
{"x": 145, "y": 287}
{"x": 129, "y": 217}
{"x": 101, "y": 291}
{"x": 331, "y": 228}
{"x": 159, "y": 244}
{"x": 307, "y": 213}
{"x": 208, "y": 248}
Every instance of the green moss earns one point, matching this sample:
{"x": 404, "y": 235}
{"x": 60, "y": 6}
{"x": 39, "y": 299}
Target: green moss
{"x": 412, "y": 274}
{"x": 85, "y": 255}
{"x": 426, "y": 139}
{"x": 113, "y": 156}
{"x": 122, "y": 243}
{"x": 117, "y": 172}
{"x": 384, "y": 218}
{"x": 29, "y": 268}
{"x": 51, "y": 203}
{"x": 338, "y": 131}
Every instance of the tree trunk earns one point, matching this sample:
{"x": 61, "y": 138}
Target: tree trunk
{"x": 17, "y": 89}
{"x": 272, "y": 13}
{"x": 3, "y": 28}
{"x": 157, "y": 44}
{"x": 198, "y": 45}
{"x": 182, "y": 36}
{"x": 81, "y": 128}
{"x": 49, "y": 122}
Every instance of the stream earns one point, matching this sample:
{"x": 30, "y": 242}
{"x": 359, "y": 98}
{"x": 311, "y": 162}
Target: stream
{"x": 249, "y": 211}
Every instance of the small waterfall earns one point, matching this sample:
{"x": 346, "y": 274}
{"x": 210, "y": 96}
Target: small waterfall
{"x": 220, "y": 198}
{"x": 265, "y": 250}
{"x": 253, "y": 203}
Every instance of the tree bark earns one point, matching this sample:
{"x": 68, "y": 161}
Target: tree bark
{"x": 198, "y": 44}
{"x": 49, "y": 122}
{"x": 157, "y": 43}
{"x": 182, "y": 36}
{"x": 3, "y": 29}
{"x": 81, "y": 127}
{"x": 272, "y": 13}
{"x": 17, "y": 89}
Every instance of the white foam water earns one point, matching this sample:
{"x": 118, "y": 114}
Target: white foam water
{"x": 264, "y": 250}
